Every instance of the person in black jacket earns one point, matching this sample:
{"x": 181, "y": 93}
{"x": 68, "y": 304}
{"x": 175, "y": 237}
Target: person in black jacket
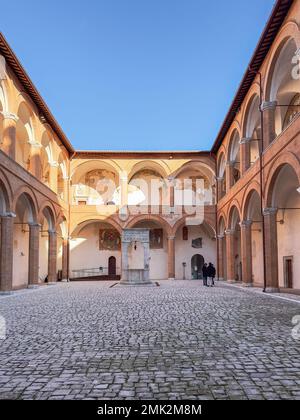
{"x": 204, "y": 272}
{"x": 211, "y": 274}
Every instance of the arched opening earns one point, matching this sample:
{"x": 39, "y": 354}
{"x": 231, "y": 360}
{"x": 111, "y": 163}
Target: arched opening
{"x": 62, "y": 178}
{"x": 2, "y": 105}
{"x": 283, "y": 86}
{"x": 234, "y": 158}
{"x": 197, "y": 263}
{"x": 158, "y": 263}
{"x": 253, "y": 215}
{"x": 24, "y": 136}
{"x": 25, "y": 217}
{"x": 112, "y": 266}
{"x": 47, "y": 228}
{"x": 221, "y": 176}
{"x": 252, "y": 130}
{"x": 286, "y": 198}
{"x": 235, "y": 252}
{"x": 222, "y": 262}
{"x": 95, "y": 183}
{"x": 93, "y": 245}
{"x": 200, "y": 237}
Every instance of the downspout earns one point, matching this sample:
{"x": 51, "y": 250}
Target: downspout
{"x": 69, "y": 221}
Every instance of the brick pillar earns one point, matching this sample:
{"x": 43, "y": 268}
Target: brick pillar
{"x": 65, "y": 259}
{"x": 33, "y": 263}
{"x": 171, "y": 257}
{"x": 221, "y": 240}
{"x": 230, "y": 256}
{"x": 246, "y": 252}
{"x": 271, "y": 249}
{"x": 220, "y": 191}
{"x": 269, "y": 109}
{"x": 229, "y": 175}
{"x": 6, "y": 252}
{"x": 52, "y": 257}
{"x": 245, "y": 154}
{"x": 9, "y": 134}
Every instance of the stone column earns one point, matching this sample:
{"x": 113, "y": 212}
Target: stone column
{"x": 124, "y": 261}
{"x": 65, "y": 259}
{"x": 171, "y": 257}
{"x": 124, "y": 195}
{"x": 229, "y": 175}
{"x": 230, "y": 257}
{"x": 66, "y": 189}
{"x": 33, "y": 263}
{"x": 246, "y": 251}
{"x": 9, "y": 134}
{"x": 221, "y": 240}
{"x": 52, "y": 257}
{"x": 6, "y": 252}
{"x": 245, "y": 154}
{"x": 269, "y": 109}
{"x": 53, "y": 176}
{"x": 271, "y": 249}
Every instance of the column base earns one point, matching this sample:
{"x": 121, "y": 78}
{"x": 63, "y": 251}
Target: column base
{"x": 33, "y": 286}
{"x": 6, "y": 293}
{"x": 272, "y": 290}
{"x": 52, "y": 283}
{"x": 220, "y": 279}
{"x": 247, "y": 284}
{"x": 171, "y": 278}
{"x": 231, "y": 281}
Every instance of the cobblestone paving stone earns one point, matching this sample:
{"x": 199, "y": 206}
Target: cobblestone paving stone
{"x": 180, "y": 340}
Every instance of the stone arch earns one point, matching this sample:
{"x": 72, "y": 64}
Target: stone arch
{"x": 6, "y": 192}
{"x": 235, "y": 206}
{"x": 251, "y": 188}
{"x": 84, "y": 221}
{"x": 287, "y": 158}
{"x": 160, "y": 167}
{"x": 50, "y": 214}
{"x": 149, "y": 217}
{"x": 31, "y": 200}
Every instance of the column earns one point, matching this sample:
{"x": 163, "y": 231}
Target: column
{"x": 146, "y": 261}
{"x": 246, "y": 251}
{"x": 6, "y": 252}
{"x": 66, "y": 189}
{"x": 229, "y": 175}
{"x": 65, "y": 259}
{"x": 245, "y": 154}
{"x": 53, "y": 176}
{"x": 33, "y": 263}
{"x": 269, "y": 109}
{"x": 230, "y": 257}
{"x": 124, "y": 261}
{"x": 220, "y": 191}
{"x": 171, "y": 257}
{"x": 52, "y": 257}
{"x": 221, "y": 239}
{"x": 9, "y": 134}
{"x": 124, "y": 195}
{"x": 271, "y": 249}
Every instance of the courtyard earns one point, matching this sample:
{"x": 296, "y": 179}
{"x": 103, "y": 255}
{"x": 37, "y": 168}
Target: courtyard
{"x": 177, "y": 341}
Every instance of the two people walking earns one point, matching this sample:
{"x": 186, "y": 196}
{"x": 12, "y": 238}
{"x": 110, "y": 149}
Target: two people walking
{"x": 209, "y": 274}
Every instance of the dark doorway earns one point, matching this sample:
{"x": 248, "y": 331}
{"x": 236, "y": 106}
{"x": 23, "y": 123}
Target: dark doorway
{"x": 112, "y": 266}
{"x": 288, "y": 272}
{"x": 197, "y": 265}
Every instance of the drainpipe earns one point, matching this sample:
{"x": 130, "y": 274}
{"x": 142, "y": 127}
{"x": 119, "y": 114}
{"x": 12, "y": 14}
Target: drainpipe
{"x": 69, "y": 221}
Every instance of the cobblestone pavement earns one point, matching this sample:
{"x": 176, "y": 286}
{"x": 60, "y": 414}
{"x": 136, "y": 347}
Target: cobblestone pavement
{"x": 180, "y": 340}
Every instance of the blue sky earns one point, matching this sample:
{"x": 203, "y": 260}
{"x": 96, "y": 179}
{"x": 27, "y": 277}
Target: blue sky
{"x": 136, "y": 74}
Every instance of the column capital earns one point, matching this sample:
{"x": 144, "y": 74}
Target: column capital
{"x": 35, "y": 144}
{"x": 268, "y": 105}
{"x": 53, "y": 164}
{"x": 34, "y": 225}
{"x": 220, "y": 237}
{"x": 245, "y": 140}
{"x": 8, "y": 215}
{"x": 269, "y": 211}
{"x": 52, "y": 232}
{"x": 219, "y": 179}
{"x": 171, "y": 238}
{"x": 246, "y": 224}
{"x": 230, "y": 163}
{"x": 9, "y": 116}
{"x": 229, "y": 232}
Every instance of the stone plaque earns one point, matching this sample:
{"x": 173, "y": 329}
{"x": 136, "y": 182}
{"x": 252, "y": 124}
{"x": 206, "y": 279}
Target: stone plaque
{"x": 136, "y": 235}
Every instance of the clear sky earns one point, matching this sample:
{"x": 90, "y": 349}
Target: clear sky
{"x": 136, "y": 74}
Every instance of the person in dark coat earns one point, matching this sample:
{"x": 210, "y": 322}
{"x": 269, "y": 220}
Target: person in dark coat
{"x": 211, "y": 274}
{"x": 204, "y": 272}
